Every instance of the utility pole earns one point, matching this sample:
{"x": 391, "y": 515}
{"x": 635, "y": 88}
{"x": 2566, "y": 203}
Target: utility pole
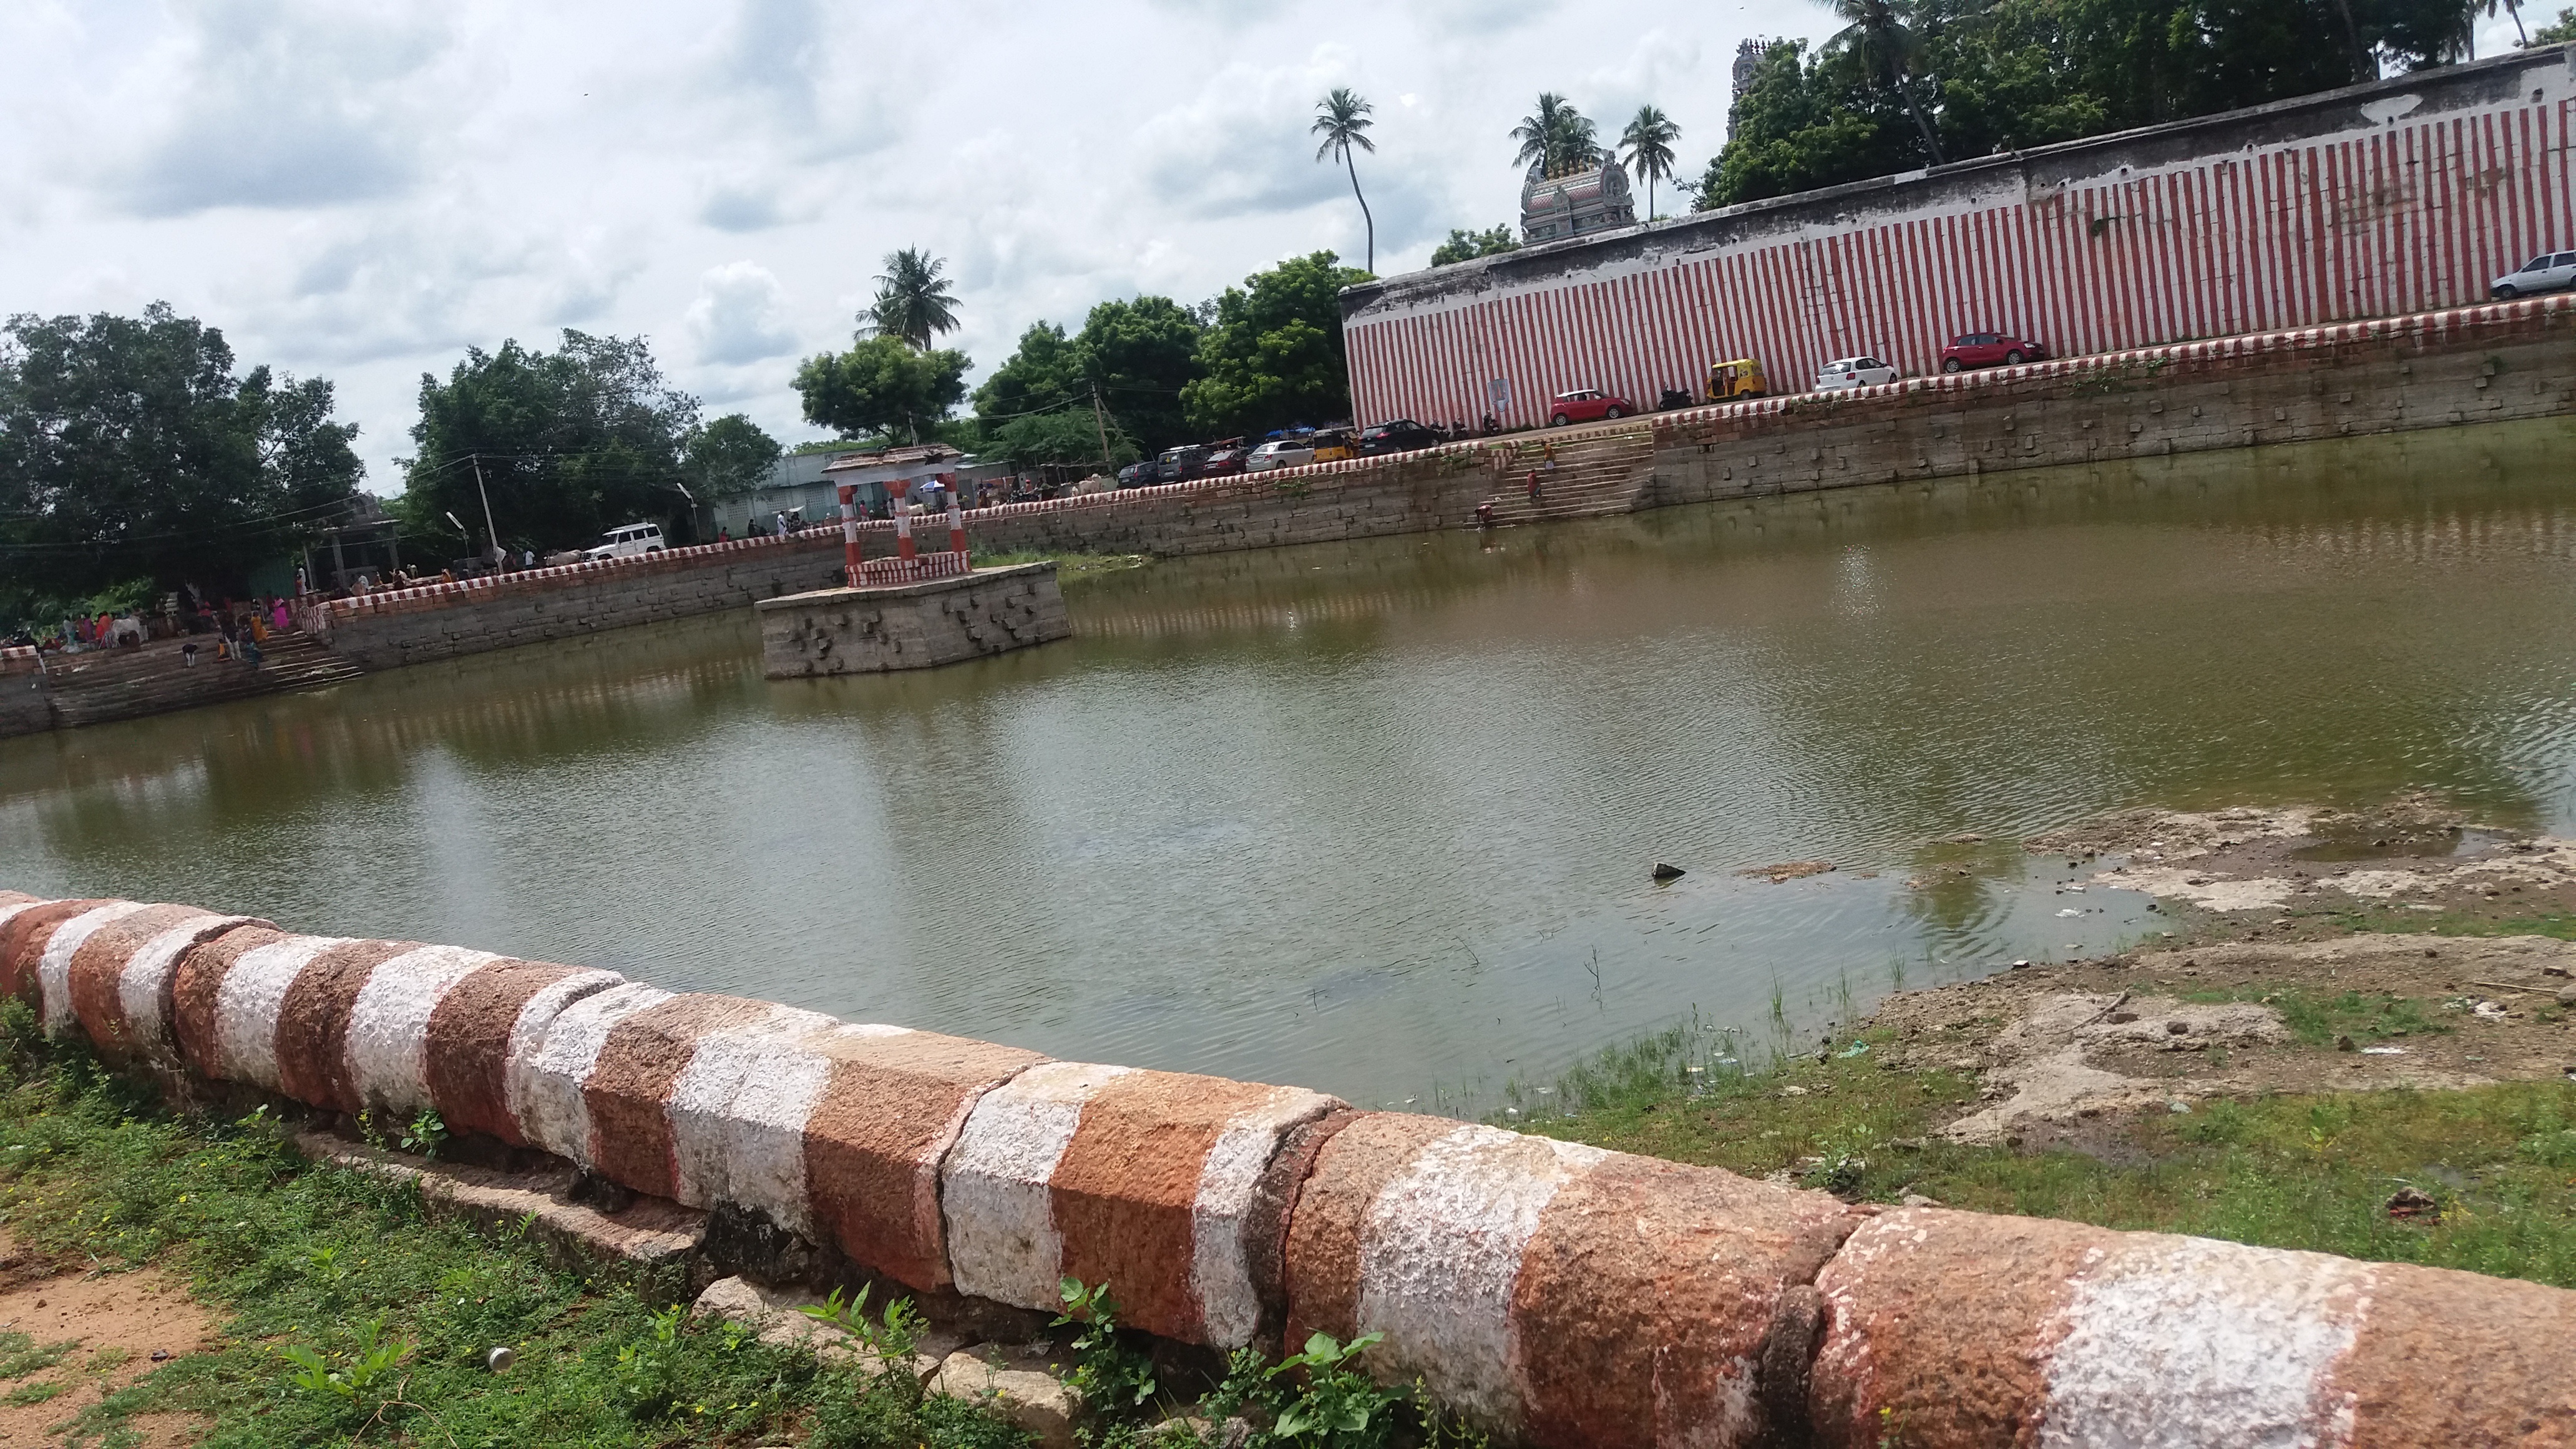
{"x": 1100, "y": 421}
{"x": 489, "y": 532}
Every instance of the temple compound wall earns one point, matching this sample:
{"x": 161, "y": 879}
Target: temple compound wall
{"x": 2403, "y": 196}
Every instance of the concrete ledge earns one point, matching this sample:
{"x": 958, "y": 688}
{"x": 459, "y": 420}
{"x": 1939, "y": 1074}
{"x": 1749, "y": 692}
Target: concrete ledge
{"x": 648, "y": 1239}
{"x": 1551, "y": 1293}
{"x": 918, "y": 625}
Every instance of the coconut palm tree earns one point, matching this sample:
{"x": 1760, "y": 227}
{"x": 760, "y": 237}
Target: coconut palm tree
{"x": 1873, "y": 31}
{"x": 1649, "y": 143}
{"x": 1342, "y": 119}
{"x": 1556, "y": 135}
{"x": 912, "y": 299}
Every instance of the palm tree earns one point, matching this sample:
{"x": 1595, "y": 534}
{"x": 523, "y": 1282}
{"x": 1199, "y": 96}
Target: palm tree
{"x": 1556, "y": 136}
{"x": 1342, "y": 119}
{"x": 912, "y": 299}
{"x": 1649, "y": 141}
{"x": 1874, "y": 32}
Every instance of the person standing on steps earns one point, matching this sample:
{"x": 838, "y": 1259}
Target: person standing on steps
{"x": 1536, "y": 496}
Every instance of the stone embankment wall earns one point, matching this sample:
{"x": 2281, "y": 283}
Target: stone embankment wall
{"x": 912, "y": 626}
{"x": 1555, "y": 1294}
{"x": 2493, "y": 363}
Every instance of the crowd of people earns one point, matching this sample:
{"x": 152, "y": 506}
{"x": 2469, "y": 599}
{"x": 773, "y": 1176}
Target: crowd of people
{"x": 223, "y": 630}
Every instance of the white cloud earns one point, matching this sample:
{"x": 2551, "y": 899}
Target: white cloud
{"x": 740, "y": 315}
{"x": 282, "y": 107}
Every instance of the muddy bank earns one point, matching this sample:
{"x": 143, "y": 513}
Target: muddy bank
{"x": 2311, "y": 950}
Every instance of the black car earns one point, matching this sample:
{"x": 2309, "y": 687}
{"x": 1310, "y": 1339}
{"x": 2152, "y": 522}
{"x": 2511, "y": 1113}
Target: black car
{"x": 1138, "y": 475}
{"x": 1403, "y": 435}
{"x": 1181, "y": 464}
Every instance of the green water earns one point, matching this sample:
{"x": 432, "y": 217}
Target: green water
{"x": 1378, "y": 818}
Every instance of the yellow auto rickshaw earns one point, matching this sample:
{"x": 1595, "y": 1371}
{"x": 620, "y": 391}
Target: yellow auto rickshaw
{"x": 1333, "y": 445}
{"x": 1741, "y": 378}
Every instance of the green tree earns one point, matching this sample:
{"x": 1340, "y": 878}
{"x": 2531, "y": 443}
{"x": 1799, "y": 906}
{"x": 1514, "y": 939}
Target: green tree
{"x": 1878, "y": 36}
{"x": 1342, "y": 119}
{"x": 1274, "y": 356}
{"x": 881, "y": 385}
{"x": 1557, "y": 137}
{"x": 1649, "y": 143}
{"x": 1132, "y": 358}
{"x": 1464, "y": 245}
{"x": 2558, "y": 31}
{"x": 129, "y": 450}
{"x": 1799, "y": 126}
{"x": 1142, "y": 354}
{"x": 913, "y": 302}
{"x": 566, "y": 445}
{"x": 1066, "y": 437}
{"x": 731, "y": 455}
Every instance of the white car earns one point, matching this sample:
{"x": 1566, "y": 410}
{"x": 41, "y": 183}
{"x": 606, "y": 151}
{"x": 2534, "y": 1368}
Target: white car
{"x": 628, "y": 541}
{"x": 1279, "y": 453}
{"x": 1853, "y": 372}
{"x": 2547, "y": 272}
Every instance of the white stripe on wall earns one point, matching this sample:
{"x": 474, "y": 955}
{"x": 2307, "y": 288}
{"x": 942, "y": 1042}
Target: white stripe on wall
{"x": 388, "y": 1038}
{"x": 546, "y": 1083}
{"x": 247, "y": 1002}
{"x": 1002, "y": 1238}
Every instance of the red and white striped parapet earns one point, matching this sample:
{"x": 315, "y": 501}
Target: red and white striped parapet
{"x": 1960, "y": 1329}
{"x": 1152, "y": 1182}
{"x": 1553, "y": 1294}
{"x": 877, "y": 573}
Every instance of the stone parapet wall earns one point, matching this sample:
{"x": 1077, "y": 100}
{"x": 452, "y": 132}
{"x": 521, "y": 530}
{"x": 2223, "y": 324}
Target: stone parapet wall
{"x": 1553, "y": 1294}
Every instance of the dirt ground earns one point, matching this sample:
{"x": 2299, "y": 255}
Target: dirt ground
{"x": 92, "y": 1333}
{"x": 2283, "y": 973}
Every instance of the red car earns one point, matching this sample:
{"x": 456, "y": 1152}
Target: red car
{"x": 1989, "y": 349}
{"x": 1587, "y": 405}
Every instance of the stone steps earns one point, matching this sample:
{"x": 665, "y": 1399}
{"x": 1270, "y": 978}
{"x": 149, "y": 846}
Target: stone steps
{"x": 155, "y": 679}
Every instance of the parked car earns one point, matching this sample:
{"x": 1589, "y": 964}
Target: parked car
{"x": 628, "y": 541}
{"x": 2546, "y": 272}
{"x": 1225, "y": 460}
{"x": 1853, "y": 372}
{"x": 1990, "y": 349}
{"x": 1587, "y": 405}
{"x": 1401, "y": 435}
{"x": 1280, "y": 453}
{"x": 1139, "y": 475}
{"x": 1180, "y": 464}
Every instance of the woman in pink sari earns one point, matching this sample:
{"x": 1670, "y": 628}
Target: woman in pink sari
{"x": 280, "y": 617}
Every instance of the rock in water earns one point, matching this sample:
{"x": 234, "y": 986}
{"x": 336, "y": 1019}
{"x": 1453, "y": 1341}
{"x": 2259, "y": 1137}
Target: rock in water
{"x": 1667, "y": 872}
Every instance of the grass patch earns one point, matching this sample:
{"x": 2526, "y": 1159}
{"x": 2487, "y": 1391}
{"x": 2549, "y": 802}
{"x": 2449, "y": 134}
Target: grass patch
{"x": 355, "y": 1318}
{"x": 33, "y": 1393}
{"x": 2289, "y": 1171}
{"x": 2558, "y": 925}
{"x": 1069, "y": 567}
{"x": 2317, "y": 1018}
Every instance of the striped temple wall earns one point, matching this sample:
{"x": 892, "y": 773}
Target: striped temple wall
{"x": 2402, "y": 196}
{"x": 1553, "y": 1294}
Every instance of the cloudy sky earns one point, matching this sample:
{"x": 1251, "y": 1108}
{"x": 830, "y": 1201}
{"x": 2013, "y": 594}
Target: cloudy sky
{"x": 364, "y": 190}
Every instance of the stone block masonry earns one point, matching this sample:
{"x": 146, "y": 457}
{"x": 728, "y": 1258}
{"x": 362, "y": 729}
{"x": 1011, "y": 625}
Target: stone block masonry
{"x": 911, "y": 626}
{"x": 1552, "y": 1294}
{"x": 2503, "y": 362}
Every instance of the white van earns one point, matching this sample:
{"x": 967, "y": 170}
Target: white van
{"x": 628, "y": 541}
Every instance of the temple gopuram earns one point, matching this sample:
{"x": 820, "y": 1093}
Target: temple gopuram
{"x": 1575, "y": 200}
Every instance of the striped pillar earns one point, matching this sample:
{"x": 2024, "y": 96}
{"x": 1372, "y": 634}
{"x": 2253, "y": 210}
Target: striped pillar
{"x": 956, "y": 517}
{"x": 850, "y": 532}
